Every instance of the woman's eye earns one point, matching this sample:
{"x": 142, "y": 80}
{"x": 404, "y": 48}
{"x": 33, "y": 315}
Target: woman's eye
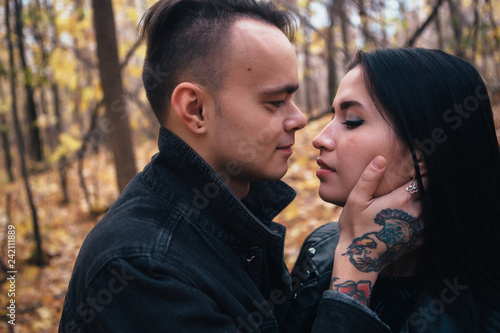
{"x": 351, "y": 124}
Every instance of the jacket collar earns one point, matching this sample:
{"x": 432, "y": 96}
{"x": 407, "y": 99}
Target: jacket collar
{"x": 181, "y": 177}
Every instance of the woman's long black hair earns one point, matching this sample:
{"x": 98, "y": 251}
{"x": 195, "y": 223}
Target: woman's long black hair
{"x": 438, "y": 104}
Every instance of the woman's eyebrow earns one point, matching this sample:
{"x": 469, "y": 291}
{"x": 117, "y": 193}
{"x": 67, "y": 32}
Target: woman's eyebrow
{"x": 346, "y": 105}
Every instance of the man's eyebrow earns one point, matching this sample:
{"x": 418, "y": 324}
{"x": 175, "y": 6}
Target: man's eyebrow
{"x": 288, "y": 89}
{"x": 347, "y": 105}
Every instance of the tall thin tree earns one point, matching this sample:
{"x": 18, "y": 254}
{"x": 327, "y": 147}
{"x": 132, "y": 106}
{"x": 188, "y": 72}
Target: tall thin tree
{"x": 307, "y": 64}
{"x": 35, "y": 147}
{"x": 38, "y": 256}
{"x": 119, "y": 134}
{"x": 4, "y": 135}
{"x": 62, "y": 164}
{"x": 331, "y": 53}
{"x": 457, "y": 23}
{"x": 344, "y": 24}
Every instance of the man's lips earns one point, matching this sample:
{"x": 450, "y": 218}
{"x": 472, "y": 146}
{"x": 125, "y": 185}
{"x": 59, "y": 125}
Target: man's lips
{"x": 286, "y": 145}
{"x": 286, "y": 148}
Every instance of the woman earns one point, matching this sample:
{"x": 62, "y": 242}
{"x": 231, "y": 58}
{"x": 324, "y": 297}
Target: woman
{"x": 428, "y": 114}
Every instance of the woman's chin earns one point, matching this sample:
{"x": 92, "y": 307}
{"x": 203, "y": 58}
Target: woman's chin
{"x": 326, "y": 197}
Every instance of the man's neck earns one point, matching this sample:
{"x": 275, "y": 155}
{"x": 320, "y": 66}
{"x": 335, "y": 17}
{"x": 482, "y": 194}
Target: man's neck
{"x": 239, "y": 188}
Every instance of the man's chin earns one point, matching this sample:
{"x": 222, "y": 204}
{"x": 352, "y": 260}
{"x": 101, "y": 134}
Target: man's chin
{"x": 280, "y": 174}
{"x": 274, "y": 177}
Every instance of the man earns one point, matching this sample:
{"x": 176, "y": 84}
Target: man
{"x": 189, "y": 246}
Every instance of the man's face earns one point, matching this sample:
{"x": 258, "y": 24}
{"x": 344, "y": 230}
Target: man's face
{"x": 253, "y": 130}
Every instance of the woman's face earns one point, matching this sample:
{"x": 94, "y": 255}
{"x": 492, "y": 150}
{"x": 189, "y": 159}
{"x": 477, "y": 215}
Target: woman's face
{"x": 356, "y": 134}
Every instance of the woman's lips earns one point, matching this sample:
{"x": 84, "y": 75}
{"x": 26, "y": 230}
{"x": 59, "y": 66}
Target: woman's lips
{"x": 324, "y": 169}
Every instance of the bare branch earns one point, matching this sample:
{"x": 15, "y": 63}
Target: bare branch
{"x": 130, "y": 53}
{"x": 431, "y": 17}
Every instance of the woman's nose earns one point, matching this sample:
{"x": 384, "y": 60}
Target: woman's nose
{"x": 324, "y": 140}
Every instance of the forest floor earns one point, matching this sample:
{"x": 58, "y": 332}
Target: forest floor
{"x": 40, "y": 292}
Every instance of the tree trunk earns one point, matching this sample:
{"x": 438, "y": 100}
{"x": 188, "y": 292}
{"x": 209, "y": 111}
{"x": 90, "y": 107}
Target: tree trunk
{"x": 6, "y": 147}
{"x": 307, "y": 65}
{"x": 344, "y": 24}
{"x": 496, "y": 37}
{"x": 403, "y": 35}
{"x": 365, "y": 29}
{"x": 439, "y": 32}
{"x": 62, "y": 164}
{"x": 332, "y": 50}
{"x": 457, "y": 25}
{"x": 119, "y": 134}
{"x": 492, "y": 20}
{"x": 38, "y": 256}
{"x": 474, "y": 34}
{"x": 35, "y": 147}
{"x": 38, "y": 31}
{"x": 4, "y": 134}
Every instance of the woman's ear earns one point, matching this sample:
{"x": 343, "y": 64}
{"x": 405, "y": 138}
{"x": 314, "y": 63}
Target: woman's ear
{"x": 188, "y": 103}
{"x": 421, "y": 165}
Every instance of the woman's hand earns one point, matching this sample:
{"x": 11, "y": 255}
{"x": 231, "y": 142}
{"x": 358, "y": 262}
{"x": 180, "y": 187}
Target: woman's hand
{"x": 374, "y": 232}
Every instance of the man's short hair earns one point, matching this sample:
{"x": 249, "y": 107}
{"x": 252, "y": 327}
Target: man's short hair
{"x": 187, "y": 41}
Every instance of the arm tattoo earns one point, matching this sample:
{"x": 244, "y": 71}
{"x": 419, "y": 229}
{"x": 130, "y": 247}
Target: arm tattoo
{"x": 400, "y": 233}
{"x": 360, "y": 290}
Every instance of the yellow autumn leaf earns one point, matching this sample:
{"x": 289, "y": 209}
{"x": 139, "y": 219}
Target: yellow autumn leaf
{"x": 62, "y": 64}
{"x": 67, "y": 145}
{"x": 132, "y": 14}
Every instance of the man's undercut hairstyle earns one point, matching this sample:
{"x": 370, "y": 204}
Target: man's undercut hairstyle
{"x": 187, "y": 40}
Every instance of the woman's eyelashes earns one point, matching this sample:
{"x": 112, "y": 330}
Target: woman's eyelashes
{"x": 351, "y": 124}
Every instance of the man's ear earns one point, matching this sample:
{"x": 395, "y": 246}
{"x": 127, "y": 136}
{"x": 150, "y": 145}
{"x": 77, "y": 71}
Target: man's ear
{"x": 188, "y": 103}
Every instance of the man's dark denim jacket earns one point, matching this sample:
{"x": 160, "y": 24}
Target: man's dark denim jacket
{"x": 178, "y": 252}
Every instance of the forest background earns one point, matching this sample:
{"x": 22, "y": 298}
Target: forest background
{"x": 75, "y": 125}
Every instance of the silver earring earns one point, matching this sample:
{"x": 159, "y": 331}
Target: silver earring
{"x": 413, "y": 187}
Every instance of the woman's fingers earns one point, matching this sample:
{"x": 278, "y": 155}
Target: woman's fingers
{"x": 362, "y": 194}
{"x": 367, "y": 222}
